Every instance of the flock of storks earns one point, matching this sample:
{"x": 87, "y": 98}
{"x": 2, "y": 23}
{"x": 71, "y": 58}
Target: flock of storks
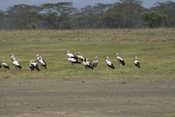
{"x": 40, "y": 62}
{"x": 79, "y": 59}
{"x": 33, "y": 64}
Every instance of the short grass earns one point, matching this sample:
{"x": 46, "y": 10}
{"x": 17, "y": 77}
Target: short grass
{"x": 154, "y": 47}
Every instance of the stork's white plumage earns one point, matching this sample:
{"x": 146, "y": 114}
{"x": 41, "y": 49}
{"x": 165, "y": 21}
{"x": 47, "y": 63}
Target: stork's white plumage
{"x": 4, "y": 65}
{"x": 87, "y": 64}
{"x": 109, "y": 63}
{"x": 12, "y": 57}
{"x": 137, "y": 62}
{"x": 80, "y": 57}
{"x": 34, "y": 65}
{"x": 120, "y": 59}
{"x": 41, "y": 61}
{"x": 15, "y": 62}
{"x": 70, "y": 55}
{"x": 73, "y": 60}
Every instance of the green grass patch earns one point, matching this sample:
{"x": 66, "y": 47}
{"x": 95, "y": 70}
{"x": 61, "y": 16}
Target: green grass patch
{"x": 154, "y": 47}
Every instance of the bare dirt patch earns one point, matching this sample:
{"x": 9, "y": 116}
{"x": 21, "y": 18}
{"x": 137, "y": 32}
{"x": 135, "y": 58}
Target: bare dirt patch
{"x": 88, "y": 98}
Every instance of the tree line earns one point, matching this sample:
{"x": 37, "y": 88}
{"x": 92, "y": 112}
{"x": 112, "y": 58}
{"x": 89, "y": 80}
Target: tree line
{"x": 62, "y": 15}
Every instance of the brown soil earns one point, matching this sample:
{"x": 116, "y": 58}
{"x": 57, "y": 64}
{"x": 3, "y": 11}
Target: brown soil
{"x": 89, "y": 98}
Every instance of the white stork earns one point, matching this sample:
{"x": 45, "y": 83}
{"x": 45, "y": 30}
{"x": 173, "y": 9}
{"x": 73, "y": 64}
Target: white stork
{"x": 41, "y": 61}
{"x": 4, "y": 65}
{"x": 12, "y": 57}
{"x": 73, "y": 61}
{"x": 15, "y": 62}
{"x": 34, "y": 65}
{"x": 109, "y": 63}
{"x": 87, "y": 64}
{"x": 120, "y": 59}
{"x": 70, "y": 55}
{"x": 137, "y": 62}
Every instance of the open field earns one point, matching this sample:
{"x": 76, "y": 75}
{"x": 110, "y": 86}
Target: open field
{"x": 67, "y": 90}
{"x": 155, "y": 48}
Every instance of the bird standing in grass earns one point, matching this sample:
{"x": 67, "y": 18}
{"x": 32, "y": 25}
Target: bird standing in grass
{"x": 88, "y": 64}
{"x": 4, "y": 65}
{"x": 41, "y": 61}
{"x": 120, "y": 59}
{"x": 71, "y": 55}
{"x": 15, "y": 62}
{"x": 72, "y": 58}
{"x": 109, "y": 63}
{"x": 34, "y": 65}
{"x": 73, "y": 61}
{"x": 137, "y": 62}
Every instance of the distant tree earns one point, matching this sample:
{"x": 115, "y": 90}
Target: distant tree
{"x": 90, "y": 16}
{"x": 57, "y": 15}
{"x": 153, "y": 18}
{"x": 125, "y": 14}
{"x": 62, "y": 15}
{"x": 23, "y": 16}
{"x": 168, "y": 10}
{"x": 2, "y": 18}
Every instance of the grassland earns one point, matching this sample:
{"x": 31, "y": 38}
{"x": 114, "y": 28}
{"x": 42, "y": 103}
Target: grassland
{"x": 66, "y": 90}
{"x": 154, "y": 47}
